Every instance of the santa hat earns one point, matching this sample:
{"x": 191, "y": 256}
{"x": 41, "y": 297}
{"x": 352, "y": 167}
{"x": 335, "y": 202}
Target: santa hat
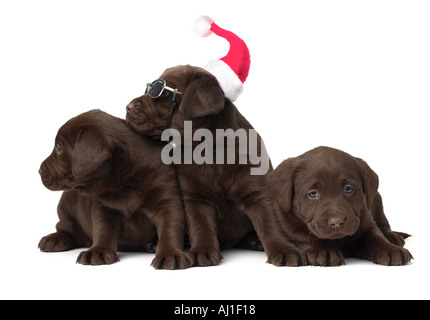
{"x": 232, "y": 70}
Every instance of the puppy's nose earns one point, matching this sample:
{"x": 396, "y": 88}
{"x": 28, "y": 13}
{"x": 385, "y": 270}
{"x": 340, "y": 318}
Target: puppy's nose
{"x": 336, "y": 222}
{"x": 42, "y": 169}
{"x": 129, "y": 107}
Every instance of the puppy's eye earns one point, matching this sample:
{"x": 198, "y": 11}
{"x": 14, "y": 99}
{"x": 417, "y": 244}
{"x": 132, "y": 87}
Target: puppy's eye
{"x": 58, "y": 150}
{"x": 313, "y": 195}
{"x": 348, "y": 189}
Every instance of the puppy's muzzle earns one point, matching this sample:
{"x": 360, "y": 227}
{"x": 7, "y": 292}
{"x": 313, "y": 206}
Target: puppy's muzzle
{"x": 47, "y": 178}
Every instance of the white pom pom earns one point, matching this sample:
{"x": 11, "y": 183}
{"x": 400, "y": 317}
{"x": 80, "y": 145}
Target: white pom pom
{"x": 202, "y": 26}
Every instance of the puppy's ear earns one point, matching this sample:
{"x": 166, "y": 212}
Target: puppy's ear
{"x": 370, "y": 182}
{"x": 90, "y": 152}
{"x": 202, "y": 97}
{"x": 281, "y": 183}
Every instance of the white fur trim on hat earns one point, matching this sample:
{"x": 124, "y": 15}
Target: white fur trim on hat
{"x": 228, "y": 80}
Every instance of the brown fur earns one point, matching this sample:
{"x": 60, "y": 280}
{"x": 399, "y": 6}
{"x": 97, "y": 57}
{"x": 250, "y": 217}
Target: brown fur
{"x": 118, "y": 195}
{"x": 223, "y": 202}
{"x": 346, "y": 217}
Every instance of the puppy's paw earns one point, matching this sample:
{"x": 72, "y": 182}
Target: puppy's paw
{"x": 172, "y": 261}
{"x": 290, "y": 257}
{"x": 204, "y": 256}
{"x": 325, "y": 257}
{"x": 393, "y": 256}
{"x": 56, "y": 242}
{"x": 97, "y": 256}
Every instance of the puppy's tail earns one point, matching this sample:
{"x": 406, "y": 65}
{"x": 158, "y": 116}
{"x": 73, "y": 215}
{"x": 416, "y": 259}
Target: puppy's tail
{"x": 403, "y": 235}
{"x": 397, "y": 238}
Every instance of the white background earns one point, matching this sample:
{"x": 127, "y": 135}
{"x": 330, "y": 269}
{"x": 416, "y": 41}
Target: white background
{"x": 353, "y": 75}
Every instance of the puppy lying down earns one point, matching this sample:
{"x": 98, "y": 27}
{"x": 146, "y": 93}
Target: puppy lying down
{"x": 118, "y": 195}
{"x": 329, "y": 206}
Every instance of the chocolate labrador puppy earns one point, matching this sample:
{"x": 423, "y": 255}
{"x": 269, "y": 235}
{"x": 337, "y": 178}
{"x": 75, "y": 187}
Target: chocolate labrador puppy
{"x": 329, "y": 205}
{"x": 223, "y": 201}
{"x": 118, "y": 195}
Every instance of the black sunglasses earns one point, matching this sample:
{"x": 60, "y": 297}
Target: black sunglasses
{"x": 158, "y": 88}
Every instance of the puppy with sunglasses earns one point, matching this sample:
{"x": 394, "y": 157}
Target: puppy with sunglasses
{"x": 224, "y": 204}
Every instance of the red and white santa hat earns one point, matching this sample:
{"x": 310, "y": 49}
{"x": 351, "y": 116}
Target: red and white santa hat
{"x": 231, "y": 70}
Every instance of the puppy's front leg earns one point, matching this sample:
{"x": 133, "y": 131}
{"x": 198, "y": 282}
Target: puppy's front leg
{"x": 202, "y": 233}
{"x": 105, "y": 235}
{"x": 279, "y": 249}
{"x": 375, "y": 247}
{"x": 170, "y": 224}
